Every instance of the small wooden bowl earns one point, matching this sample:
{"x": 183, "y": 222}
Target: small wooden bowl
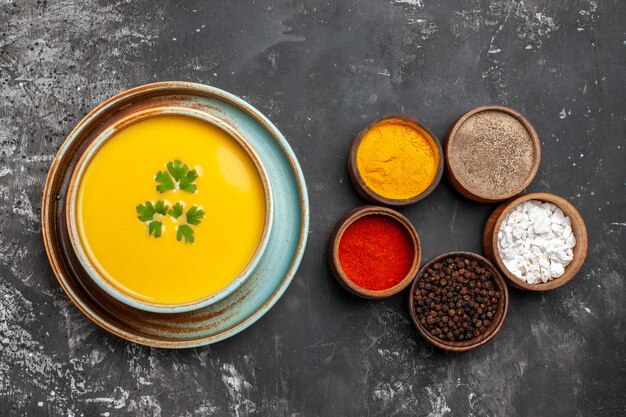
{"x": 450, "y": 167}
{"x": 496, "y": 322}
{"x": 490, "y": 240}
{"x": 372, "y": 196}
{"x": 333, "y": 251}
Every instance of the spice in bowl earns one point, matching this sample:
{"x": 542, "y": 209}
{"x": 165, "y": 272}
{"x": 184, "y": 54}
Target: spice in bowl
{"x": 456, "y": 299}
{"x": 374, "y": 252}
{"x": 536, "y": 241}
{"x": 395, "y": 161}
{"x": 492, "y": 153}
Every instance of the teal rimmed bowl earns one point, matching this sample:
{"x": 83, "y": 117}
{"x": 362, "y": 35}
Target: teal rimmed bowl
{"x": 100, "y": 276}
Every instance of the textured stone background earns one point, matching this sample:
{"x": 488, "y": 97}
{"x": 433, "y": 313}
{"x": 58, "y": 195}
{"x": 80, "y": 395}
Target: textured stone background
{"x": 320, "y": 70}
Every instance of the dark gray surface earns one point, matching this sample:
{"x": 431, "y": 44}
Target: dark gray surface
{"x": 320, "y": 70}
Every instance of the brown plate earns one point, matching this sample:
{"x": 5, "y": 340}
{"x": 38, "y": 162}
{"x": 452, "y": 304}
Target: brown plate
{"x": 247, "y": 303}
{"x": 452, "y": 169}
{"x": 496, "y": 322}
{"x": 490, "y": 240}
{"x": 333, "y": 251}
{"x": 372, "y": 196}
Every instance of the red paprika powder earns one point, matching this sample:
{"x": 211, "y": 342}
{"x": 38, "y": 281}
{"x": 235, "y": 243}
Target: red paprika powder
{"x": 376, "y": 252}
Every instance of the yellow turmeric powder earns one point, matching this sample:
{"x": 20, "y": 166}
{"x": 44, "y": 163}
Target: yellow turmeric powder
{"x": 397, "y": 160}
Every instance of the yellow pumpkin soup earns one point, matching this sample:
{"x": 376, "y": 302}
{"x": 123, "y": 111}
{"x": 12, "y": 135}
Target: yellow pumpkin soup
{"x": 171, "y": 209}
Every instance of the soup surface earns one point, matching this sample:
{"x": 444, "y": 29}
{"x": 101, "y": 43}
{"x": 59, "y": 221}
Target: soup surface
{"x": 171, "y": 209}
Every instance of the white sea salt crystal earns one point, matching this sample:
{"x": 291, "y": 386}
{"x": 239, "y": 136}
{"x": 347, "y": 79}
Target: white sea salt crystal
{"x": 538, "y": 241}
{"x": 558, "y": 216}
{"x": 518, "y": 231}
{"x": 556, "y": 269}
{"x": 535, "y": 241}
{"x": 548, "y": 208}
{"x": 561, "y": 255}
{"x": 544, "y": 263}
{"x": 542, "y": 225}
{"x": 534, "y": 270}
{"x": 511, "y": 265}
{"x": 535, "y": 214}
{"x": 556, "y": 227}
{"x": 567, "y": 231}
{"x": 570, "y": 242}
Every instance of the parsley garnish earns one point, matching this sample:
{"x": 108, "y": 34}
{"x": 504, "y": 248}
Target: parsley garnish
{"x": 177, "y": 169}
{"x": 185, "y": 231}
{"x": 186, "y": 182}
{"x": 177, "y": 176}
{"x": 194, "y": 215}
{"x": 146, "y": 213}
{"x": 176, "y": 210}
{"x": 165, "y": 182}
{"x": 155, "y": 227}
{"x": 161, "y": 207}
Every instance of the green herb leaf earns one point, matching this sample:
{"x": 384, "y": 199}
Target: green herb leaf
{"x": 186, "y": 183}
{"x": 161, "y": 207}
{"x": 185, "y": 231}
{"x": 146, "y": 211}
{"x": 177, "y": 174}
{"x": 155, "y": 228}
{"x": 177, "y": 169}
{"x": 165, "y": 182}
{"x": 194, "y": 215}
{"x": 176, "y": 211}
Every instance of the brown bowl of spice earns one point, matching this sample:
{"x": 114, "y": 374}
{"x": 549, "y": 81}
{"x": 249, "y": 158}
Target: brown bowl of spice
{"x": 374, "y": 252}
{"x": 458, "y": 301}
{"x": 395, "y": 161}
{"x": 538, "y": 240}
{"x": 492, "y": 153}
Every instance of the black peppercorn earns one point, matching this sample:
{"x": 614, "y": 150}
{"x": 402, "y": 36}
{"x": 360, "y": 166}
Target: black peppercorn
{"x": 456, "y": 299}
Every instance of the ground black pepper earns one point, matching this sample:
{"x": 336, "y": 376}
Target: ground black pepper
{"x": 492, "y": 154}
{"x": 456, "y": 299}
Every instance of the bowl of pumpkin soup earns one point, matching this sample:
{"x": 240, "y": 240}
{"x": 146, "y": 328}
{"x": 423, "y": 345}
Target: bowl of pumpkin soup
{"x": 169, "y": 209}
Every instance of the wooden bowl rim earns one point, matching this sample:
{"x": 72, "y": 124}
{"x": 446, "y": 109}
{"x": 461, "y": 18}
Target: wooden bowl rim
{"x": 579, "y": 230}
{"x": 456, "y": 182}
{"x": 503, "y": 306}
{"x": 359, "y": 183}
{"x": 337, "y": 235}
